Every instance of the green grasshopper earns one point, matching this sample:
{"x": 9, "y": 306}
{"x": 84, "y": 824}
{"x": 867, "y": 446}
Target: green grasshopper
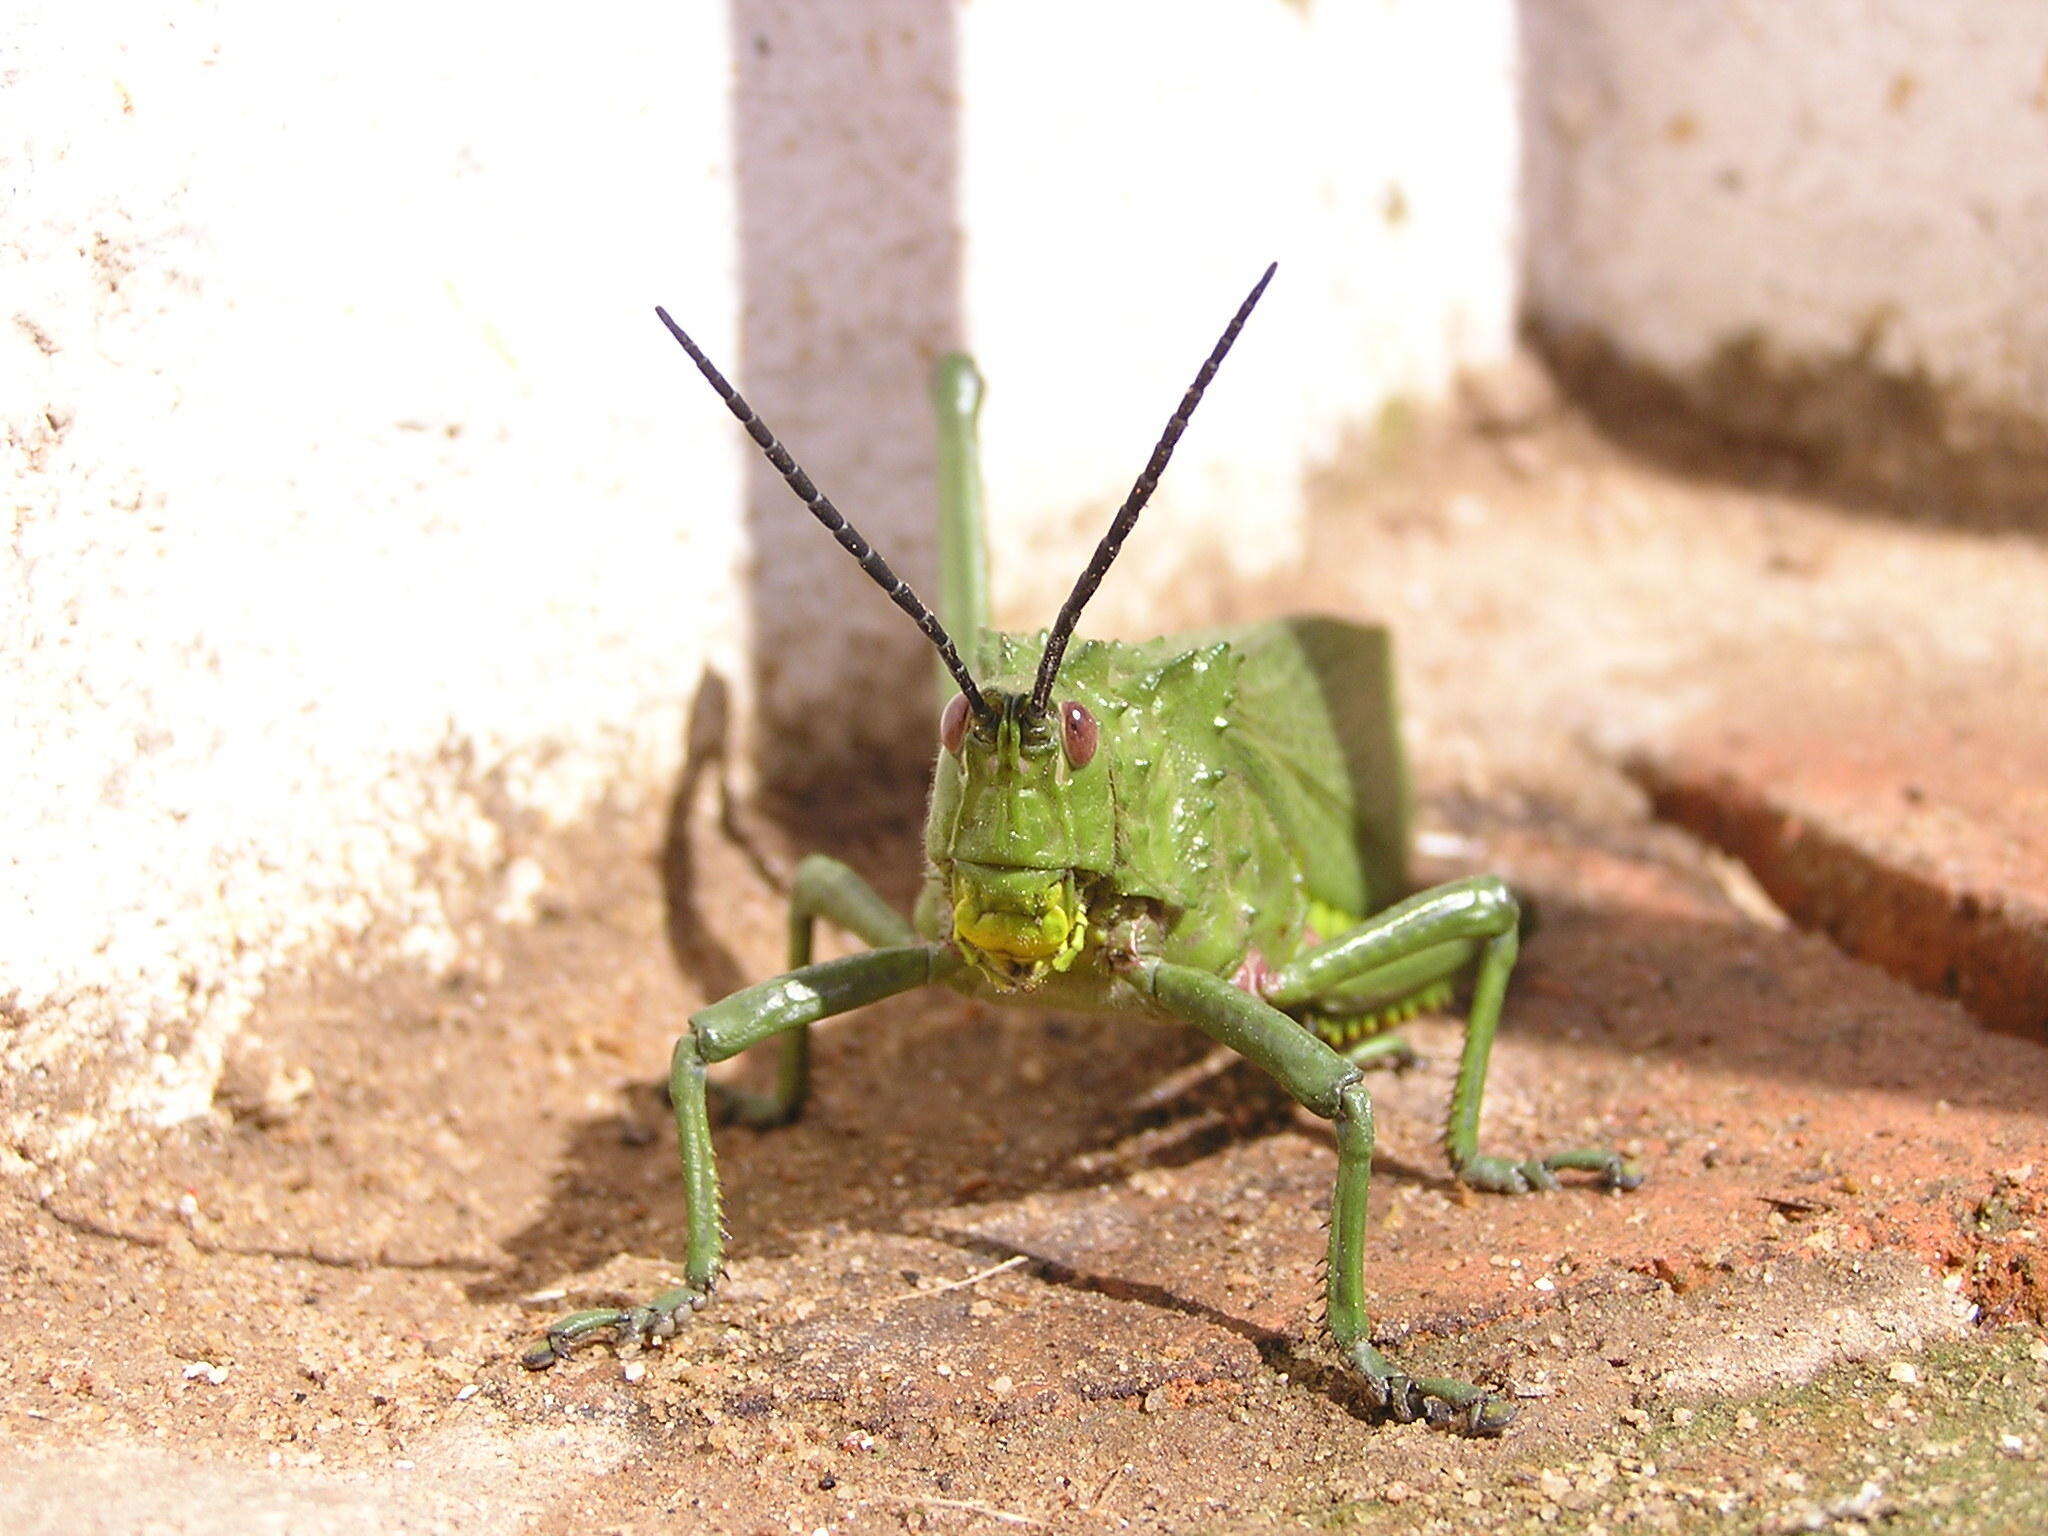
{"x": 1210, "y": 830}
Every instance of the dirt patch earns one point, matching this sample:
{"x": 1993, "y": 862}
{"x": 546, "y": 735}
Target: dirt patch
{"x": 1016, "y": 1270}
{"x": 2006, "y": 1267}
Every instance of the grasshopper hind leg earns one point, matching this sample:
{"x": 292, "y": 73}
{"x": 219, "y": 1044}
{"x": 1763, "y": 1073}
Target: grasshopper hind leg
{"x": 1419, "y": 947}
{"x": 1362, "y": 1026}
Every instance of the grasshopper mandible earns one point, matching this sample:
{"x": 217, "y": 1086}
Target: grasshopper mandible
{"x": 1210, "y": 830}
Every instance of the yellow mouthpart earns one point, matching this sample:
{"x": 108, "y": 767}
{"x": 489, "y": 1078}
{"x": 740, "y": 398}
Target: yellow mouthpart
{"x": 1017, "y": 926}
{"x": 1017, "y": 935}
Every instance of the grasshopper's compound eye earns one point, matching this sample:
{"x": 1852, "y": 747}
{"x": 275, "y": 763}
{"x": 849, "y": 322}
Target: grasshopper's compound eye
{"x": 953, "y": 724}
{"x": 1079, "y": 734}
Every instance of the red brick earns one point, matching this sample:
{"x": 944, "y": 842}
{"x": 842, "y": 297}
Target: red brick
{"x": 1910, "y": 827}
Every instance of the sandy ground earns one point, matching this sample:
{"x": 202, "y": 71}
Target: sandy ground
{"x": 997, "y": 1279}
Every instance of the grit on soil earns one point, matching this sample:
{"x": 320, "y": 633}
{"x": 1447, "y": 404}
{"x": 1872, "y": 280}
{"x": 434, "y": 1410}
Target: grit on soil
{"x": 1023, "y": 1271}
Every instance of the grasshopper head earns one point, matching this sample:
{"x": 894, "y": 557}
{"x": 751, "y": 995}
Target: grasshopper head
{"x": 1021, "y": 829}
{"x": 1023, "y": 823}
{"x": 1022, "y": 813}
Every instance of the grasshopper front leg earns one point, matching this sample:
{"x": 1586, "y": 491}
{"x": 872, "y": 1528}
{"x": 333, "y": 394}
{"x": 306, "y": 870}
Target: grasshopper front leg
{"x": 789, "y": 1002}
{"x": 1466, "y": 925}
{"x": 1326, "y": 1084}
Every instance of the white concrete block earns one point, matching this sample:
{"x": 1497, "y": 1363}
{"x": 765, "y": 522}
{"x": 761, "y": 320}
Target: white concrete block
{"x": 1125, "y": 179}
{"x": 1838, "y": 179}
{"x": 348, "y": 471}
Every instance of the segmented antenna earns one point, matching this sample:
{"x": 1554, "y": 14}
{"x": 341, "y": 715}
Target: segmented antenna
{"x": 835, "y": 522}
{"x": 1127, "y": 515}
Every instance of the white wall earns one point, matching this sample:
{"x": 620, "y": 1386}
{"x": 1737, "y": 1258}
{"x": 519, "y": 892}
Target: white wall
{"x": 1126, "y": 180}
{"x": 1082, "y": 195}
{"x": 1837, "y": 178}
{"x": 348, "y": 467}
{"x": 359, "y": 502}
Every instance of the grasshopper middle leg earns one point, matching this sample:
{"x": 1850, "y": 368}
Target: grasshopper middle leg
{"x": 1467, "y": 925}
{"x": 824, "y": 888}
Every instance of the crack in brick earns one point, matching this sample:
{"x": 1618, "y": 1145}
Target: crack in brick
{"x": 1988, "y": 951}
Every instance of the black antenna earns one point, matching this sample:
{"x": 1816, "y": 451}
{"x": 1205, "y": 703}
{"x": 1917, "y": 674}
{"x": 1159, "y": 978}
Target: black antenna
{"x": 835, "y": 522}
{"x": 1127, "y": 516}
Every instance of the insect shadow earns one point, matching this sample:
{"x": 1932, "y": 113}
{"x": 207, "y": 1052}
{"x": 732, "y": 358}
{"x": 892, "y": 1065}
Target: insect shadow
{"x": 699, "y": 953}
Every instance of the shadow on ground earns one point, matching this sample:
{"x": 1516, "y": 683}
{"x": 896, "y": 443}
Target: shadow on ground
{"x": 1646, "y": 1008}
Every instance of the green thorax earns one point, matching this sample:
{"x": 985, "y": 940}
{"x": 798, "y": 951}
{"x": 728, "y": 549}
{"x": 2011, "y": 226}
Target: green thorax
{"x": 1222, "y": 803}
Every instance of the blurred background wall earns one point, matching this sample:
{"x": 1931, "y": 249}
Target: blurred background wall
{"x": 1821, "y": 227}
{"x": 359, "y": 510}
{"x": 1081, "y": 195}
{"x": 351, "y": 503}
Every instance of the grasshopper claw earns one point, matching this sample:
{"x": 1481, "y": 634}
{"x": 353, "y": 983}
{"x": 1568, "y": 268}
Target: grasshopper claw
{"x": 1440, "y": 1401}
{"x": 1621, "y": 1174}
{"x": 1503, "y": 1176}
{"x": 642, "y": 1327}
{"x": 1616, "y": 1171}
{"x": 1488, "y": 1416}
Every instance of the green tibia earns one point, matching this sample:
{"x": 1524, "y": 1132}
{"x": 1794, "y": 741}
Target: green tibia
{"x": 963, "y": 555}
